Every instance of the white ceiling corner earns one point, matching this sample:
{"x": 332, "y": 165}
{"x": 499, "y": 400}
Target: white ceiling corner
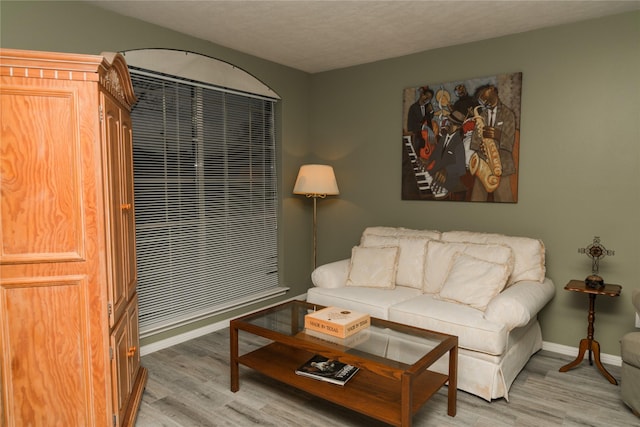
{"x": 322, "y": 35}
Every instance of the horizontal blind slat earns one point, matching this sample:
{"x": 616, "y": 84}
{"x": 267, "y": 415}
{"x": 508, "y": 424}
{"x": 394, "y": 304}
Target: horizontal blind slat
{"x": 206, "y": 199}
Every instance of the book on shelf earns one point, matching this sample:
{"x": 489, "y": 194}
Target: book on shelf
{"x": 336, "y": 321}
{"x": 328, "y": 370}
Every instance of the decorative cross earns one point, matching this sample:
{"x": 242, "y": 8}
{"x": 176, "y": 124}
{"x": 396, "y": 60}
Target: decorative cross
{"x": 596, "y": 252}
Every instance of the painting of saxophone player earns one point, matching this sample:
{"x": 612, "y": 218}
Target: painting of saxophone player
{"x": 487, "y": 120}
{"x": 492, "y": 141}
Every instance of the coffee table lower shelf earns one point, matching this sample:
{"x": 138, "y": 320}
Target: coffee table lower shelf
{"x": 368, "y": 393}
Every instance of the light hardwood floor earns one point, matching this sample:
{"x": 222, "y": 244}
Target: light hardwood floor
{"x": 189, "y": 386}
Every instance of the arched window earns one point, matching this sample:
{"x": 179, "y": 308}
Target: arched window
{"x": 205, "y": 187}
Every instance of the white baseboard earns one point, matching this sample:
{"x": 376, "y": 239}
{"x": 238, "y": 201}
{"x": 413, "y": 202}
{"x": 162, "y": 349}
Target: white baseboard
{"x": 608, "y": 359}
{"x": 177, "y": 339}
{"x": 162, "y": 344}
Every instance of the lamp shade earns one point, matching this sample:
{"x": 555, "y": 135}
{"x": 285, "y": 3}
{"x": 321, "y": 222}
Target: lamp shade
{"x": 316, "y": 180}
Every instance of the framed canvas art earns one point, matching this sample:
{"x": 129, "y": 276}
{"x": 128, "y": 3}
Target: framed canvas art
{"x": 461, "y": 140}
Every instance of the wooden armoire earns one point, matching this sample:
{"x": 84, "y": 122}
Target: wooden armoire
{"x": 69, "y": 342}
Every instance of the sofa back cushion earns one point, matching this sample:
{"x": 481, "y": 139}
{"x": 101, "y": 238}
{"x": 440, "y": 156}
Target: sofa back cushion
{"x": 440, "y": 256}
{"x": 410, "y": 257}
{"x": 473, "y": 281}
{"x": 529, "y": 254}
{"x": 400, "y": 231}
{"x": 373, "y": 267}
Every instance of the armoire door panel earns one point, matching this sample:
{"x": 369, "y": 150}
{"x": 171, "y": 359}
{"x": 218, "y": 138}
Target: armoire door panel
{"x": 133, "y": 354}
{"x": 128, "y": 209}
{"x": 41, "y": 174}
{"x": 45, "y": 361}
{"x": 113, "y": 204}
{"x": 121, "y": 384}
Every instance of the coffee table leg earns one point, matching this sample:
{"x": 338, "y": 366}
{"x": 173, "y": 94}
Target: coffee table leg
{"x": 233, "y": 359}
{"x": 405, "y": 401}
{"x": 453, "y": 381}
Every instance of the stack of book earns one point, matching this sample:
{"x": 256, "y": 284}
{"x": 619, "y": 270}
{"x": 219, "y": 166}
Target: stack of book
{"x": 325, "y": 369}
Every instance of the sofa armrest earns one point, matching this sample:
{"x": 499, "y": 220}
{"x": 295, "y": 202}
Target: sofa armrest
{"x": 518, "y": 304}
{"x": 332, "y": 275}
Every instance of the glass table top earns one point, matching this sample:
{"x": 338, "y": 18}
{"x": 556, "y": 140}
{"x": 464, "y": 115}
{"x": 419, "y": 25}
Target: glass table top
{"x": 383, "y": 340}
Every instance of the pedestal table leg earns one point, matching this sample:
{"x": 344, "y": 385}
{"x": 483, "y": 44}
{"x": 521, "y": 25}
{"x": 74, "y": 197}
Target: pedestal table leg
{"x": 591, "y": 345}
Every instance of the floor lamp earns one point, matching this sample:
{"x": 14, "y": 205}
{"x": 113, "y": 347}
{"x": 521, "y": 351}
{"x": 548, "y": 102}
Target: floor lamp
{"x": 316, "y": 181}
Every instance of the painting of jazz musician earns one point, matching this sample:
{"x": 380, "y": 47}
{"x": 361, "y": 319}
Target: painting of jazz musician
{"x": 461, "y": 139}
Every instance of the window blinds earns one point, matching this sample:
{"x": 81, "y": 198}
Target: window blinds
{"x": 206, "y": 200}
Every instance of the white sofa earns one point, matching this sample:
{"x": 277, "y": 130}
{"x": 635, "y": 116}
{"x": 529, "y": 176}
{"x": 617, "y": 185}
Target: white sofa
{"x": 487, "y": 289}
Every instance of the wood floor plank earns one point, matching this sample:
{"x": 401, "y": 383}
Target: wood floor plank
{"x": 188, "y": 386}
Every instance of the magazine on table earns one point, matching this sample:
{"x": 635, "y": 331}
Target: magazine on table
{"x": 325, "y": 369}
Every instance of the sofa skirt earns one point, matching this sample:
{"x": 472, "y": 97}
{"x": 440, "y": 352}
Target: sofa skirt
{"x": 490, "y": 377}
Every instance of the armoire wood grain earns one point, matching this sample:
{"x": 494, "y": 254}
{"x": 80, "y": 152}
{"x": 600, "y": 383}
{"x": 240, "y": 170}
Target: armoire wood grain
{"x": 68, "y": 304}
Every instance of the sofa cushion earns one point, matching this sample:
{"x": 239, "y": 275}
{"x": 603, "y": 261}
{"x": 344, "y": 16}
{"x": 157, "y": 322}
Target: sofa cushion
{"x": 474, "y": 332}
{"x": 380, "y": 231}
{"x": 374, "y": 301}
{"x": 529, "y": 253}
{"x": 411, "y": 255}
{"x": 376, "y": 241}
{"x": 400, "y": 231}
{"x": 373, "y": 267}
{"x": 440, "y": 255}
{"x": 473, "y": 281}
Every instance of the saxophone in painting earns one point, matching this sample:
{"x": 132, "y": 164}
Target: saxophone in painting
{"x": 489, "y": 171}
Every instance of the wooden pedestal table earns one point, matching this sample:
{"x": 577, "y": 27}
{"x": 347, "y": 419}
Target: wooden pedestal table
{"x": 589, "y": 343}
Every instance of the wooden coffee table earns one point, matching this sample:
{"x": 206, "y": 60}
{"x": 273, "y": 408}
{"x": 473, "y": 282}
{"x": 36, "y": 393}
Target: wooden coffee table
{"x": 394, "y": 380}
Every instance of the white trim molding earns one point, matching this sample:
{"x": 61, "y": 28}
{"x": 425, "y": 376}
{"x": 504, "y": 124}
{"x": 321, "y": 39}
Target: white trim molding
{"x": 177, "y": 339}
{"x": 608, "y": 359}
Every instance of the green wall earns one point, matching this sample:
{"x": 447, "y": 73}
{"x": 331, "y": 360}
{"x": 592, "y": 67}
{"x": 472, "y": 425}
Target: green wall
{"x": 580, "y": 144}
{"x": 579, "y": 157}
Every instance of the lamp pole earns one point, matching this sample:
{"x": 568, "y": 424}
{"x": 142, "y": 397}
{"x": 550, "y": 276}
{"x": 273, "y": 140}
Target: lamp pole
{"x": 315, "y": 227}
{"x": 315, "y": 232}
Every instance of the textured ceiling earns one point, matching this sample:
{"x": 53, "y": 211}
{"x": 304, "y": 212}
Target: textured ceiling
{"x": 315, "y": 36}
